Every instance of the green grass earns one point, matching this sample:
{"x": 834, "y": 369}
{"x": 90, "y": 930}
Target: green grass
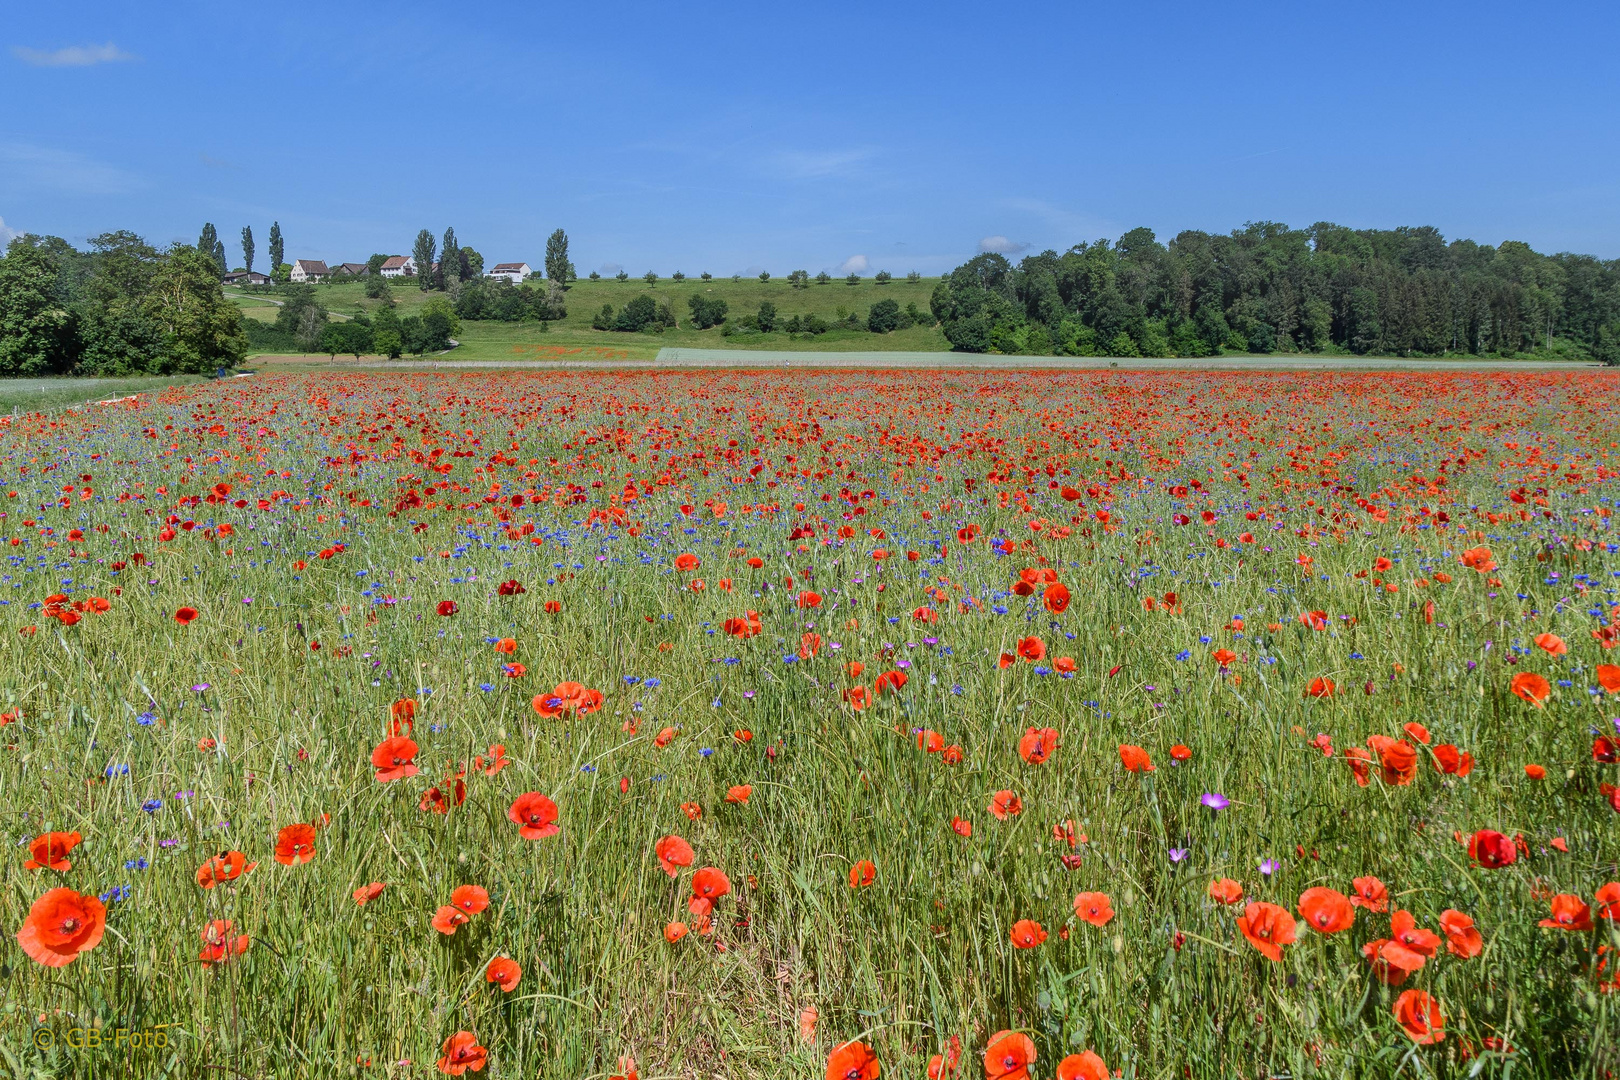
{"x": 489, "y": 340}
{"x": 42, "y": 394}
{"x": 295, "y": 659}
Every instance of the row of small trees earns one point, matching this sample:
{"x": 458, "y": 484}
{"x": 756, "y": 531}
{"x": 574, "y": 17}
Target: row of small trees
{"x": 645, "y": 314}
{"x": 799, "y": 279}
{"x": 210, "y": 244}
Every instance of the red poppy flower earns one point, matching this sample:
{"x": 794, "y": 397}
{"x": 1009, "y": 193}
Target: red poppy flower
{"x": 185, "y": 615}
{"x": 1370, "y": 894}
{"x": 62, "y": 924}
{"x": 365, "y": 894}
{"x": 1083, "y": 1066}
{"x": 460, "y": 1053}
{"x": 470, "y": 898}
{"x": 219, "y": 944}
{"x": 1056, "y": 598}
{"x": 504, "y": 972}
{"x": 1135, "y": 759}
{"x": 1225, "y": 890}
{"x": 891, "y": 681}
{"x": 1448, "y": 760}
{"x": 51, "y": 850}
{"x": 1419, "y": 1016}
{"x": 1267, "y": 927}
{"x": 1032, "y": 649}
{"x": 1531, "y": 687}
{"x": 1327, "y": 911}
{"x": 1094, "y": 907}
{"x": 1569, "y": 912}
{"x": 448, "y": 918}
{"x": 1551, "y": 644}
{"x": 394, "y": 759}
{"x": 739, "y": 793}
{"x": 1004, "y": 804}
{"x": 1408, "y": 946}
{"x": 1462, "y": 939}
{"x": 535, "y": 815}
{"x": 1027, "y": 933}
{"x": 447, "y": 607}
{"x": 673, "y": 854}
{"x": 1009, "y": 1056}
{"x": 295, "y": 845}
{"x": 862, "y": 874}
{"x": 852, "y": 1061}
{"x": 1037, "y": 744}
{"x": 226, "y": 866}
{"x": 1491, "y": 850}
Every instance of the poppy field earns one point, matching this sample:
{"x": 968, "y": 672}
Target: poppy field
{"x": 847, "y": 724}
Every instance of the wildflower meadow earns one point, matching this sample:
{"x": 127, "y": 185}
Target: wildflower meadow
{"x": 847, "y": 724}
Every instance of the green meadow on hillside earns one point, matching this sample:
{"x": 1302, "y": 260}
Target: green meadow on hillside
{"x": 494, "y": 340}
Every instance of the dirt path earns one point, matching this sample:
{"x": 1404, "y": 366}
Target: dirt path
{"x": 280, "y": 303}
{"x": 671, "y": 359}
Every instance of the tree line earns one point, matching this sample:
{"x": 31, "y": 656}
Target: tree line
{"x": 644, "y": 314}
{"x": 1269, "y": 288}
{"x": 121, "y": 308}
{"x": 210, "y": 244}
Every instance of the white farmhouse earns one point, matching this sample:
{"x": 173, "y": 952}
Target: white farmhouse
{"x": 399, "y": 266}
{"x": 513, "y": 272}
{"x": 310, "y": 270}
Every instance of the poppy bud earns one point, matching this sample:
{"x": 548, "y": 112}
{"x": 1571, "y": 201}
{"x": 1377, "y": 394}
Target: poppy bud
{"x": 624, "y": 785}
{"x": 1369, "y": 688}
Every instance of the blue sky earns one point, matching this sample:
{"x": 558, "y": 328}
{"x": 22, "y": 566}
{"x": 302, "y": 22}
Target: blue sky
{"x": 731, "y": 138}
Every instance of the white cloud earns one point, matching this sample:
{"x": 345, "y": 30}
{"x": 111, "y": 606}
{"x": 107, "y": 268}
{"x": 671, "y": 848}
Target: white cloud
{"x": 61, "y": 170}
{"x": 72, "y": 56}
{"x": 1001, "y": 246}
{"x": 855, "y": 264}
{"x": 7, "y": 234}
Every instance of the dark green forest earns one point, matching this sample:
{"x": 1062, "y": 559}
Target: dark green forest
{"x": 121, "y": 308}
{"x": 1267, "y": 288}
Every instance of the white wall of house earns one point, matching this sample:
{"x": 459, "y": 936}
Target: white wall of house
{"x": 513, "y": 274}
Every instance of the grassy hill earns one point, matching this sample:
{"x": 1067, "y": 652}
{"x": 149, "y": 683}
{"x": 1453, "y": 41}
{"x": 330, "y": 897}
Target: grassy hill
{"x": 486, "y": 340}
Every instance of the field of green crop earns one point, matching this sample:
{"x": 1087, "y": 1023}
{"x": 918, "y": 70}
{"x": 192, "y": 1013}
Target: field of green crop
{"x": 843, "y": 724}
